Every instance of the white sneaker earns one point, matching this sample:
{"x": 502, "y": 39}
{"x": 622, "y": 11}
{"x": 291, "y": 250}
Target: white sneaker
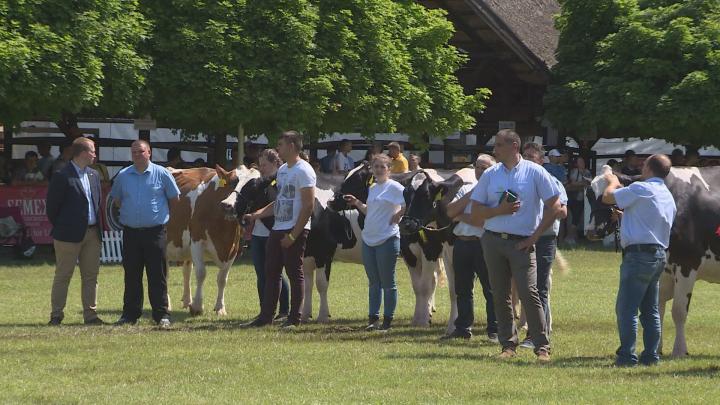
{"x": 164, "y": 324}
{"x": 527, "y": 344}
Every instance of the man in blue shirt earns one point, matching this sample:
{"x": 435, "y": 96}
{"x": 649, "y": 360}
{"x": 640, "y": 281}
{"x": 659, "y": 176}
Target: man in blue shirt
{"x": 518, "y": 201}
{"x": 649, "y": 212}
{"x": 555, "y": 166}
{"x": 143, "y": 191}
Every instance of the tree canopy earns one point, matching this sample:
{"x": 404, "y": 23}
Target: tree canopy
{"x": 648, "y": 68}
{"x": 61, "y": 57}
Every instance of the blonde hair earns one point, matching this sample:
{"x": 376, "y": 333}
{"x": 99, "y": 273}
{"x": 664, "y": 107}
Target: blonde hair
{"x": 383, "y": 158}
{"x": 271, "y": 156}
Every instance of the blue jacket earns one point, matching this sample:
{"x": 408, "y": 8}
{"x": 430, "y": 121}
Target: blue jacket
{"x": 67, "y": 206}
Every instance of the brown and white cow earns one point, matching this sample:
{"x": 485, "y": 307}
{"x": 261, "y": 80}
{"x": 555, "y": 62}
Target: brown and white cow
{"x": 198, "y": 229}
{"x": 694, "y": 251}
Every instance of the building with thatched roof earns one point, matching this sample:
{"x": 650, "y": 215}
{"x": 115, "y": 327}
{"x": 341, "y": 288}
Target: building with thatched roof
{"x": 511, "y": 47}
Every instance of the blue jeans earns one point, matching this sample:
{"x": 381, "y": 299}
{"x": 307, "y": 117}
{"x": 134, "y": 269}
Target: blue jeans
{"x": 545, "y": 253}
{"x": 639, "y": 285}
{"x": 257, "y": 248}
{"x": 379, "y": 264}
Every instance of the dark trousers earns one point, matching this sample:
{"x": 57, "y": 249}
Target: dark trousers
{"x": 145, "y": 249}
{"x": 257, "y": 248}
{"x": 545, "y": 252}
{"x": 468, "y": 261}
{"x": 292, "y": 260}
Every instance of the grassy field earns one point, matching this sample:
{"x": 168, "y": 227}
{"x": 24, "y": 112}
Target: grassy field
{"x": 209, "y": 360}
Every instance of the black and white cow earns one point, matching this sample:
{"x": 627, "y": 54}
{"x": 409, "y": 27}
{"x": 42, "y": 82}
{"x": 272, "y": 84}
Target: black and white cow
{"x": 332, "y": 236}
{"x": 428, "y": 233}
{"x": 694, "y": 251}
{"x": 424, "y": 261}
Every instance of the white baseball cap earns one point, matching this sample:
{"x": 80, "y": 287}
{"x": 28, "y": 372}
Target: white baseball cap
{"x": 554, "y": 153}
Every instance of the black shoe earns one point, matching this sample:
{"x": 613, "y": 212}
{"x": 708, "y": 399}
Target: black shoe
{"x": 282, "y": 316}
{"x": 55, "y": 321}
{"x": 457, "y": 334}
{"x": 125, "y": 321}
{"x": 289, "y": 324}
{"x": 95, "y": 321}
{"x": 255, "y": 323}
{"x": 386, "y": 325}
{"x": 373, "y": 323}
{"x": 493, "y": 337}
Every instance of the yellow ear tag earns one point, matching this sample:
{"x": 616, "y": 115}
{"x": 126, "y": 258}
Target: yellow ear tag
{"x": 371, "y": 180}
{"x": 438, "y": 196}
{"x": 222, "y": 182}
{"x": 423, "y": 237}
{"x": 272, "y": 183}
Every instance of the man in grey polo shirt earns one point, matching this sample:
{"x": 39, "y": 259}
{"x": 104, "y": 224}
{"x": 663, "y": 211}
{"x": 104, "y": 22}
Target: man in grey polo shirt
{"x": 509, "y": 197}
{"x": 645, "y": 234}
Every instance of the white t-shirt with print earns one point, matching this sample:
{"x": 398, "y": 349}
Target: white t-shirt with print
{"x": 288, "y": 201}
{"x": 384, "y": 200}
{"x": 463, "y": 229}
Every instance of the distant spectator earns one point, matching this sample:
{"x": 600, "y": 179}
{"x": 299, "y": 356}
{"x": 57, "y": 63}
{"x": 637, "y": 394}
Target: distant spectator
{"x": 29, "y": 172}
{"x": 46, "y": 159}
{"x": 578, "y": 180}
{"x": 631, "y": 166}
{"x": 414, "y": 162}
{"x": 5, "y": 173}
{"x": 375, "y": 149}
{"x": 399, "y": 162}
{"x": 326, "y": 163}
{"x": 174, "y": 159}
{"x": 343, "y": 163}
{"x": 692, "y": 158}
{"x": 199, "y": 162}
{"x": 252, "y": 153}
{"x": 614, "y": 165}
{"x": 64, "y": 158}
{"x": 677, "y": 157}
{"x": 555, "y": 166}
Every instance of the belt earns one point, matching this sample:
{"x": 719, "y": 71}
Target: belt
{"x": 506, "y": 236}
{"x": 150, "y": 228}
{"x": 643, "y": 248}
{"x": 92, "y": 226}
{"x": 463, "y": 237}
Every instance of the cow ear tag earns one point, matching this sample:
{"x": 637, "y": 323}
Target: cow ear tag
{"x": 423, "y": 237}
{"x": 371, "y": 180}
{"x": 272, "y": 183}
{"x": 222, "y": 182}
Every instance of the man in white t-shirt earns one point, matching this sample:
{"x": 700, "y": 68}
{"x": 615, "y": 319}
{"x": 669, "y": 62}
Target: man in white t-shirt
{"x": 286, "y": 245}
{"x": 468, "y": 260}
{"x": 343, "y": 163}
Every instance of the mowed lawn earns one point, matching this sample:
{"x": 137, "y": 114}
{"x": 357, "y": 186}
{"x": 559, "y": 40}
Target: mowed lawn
{"x": 207, "y": 359}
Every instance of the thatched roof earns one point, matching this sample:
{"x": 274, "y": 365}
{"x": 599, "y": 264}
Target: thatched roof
{"x": 527, "y": 26}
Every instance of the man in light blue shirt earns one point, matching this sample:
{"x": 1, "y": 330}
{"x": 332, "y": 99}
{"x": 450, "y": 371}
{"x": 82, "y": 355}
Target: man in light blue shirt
{"x": 649, "y": 212}
{"x": 143, "y": 191}
{"x": 509, "y": 197}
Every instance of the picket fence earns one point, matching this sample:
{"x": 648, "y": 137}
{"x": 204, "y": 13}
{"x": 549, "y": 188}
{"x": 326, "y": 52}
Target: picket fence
{"x": 111, "y": 247}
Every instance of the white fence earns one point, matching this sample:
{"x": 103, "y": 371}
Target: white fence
{"x": 111, "y": 247}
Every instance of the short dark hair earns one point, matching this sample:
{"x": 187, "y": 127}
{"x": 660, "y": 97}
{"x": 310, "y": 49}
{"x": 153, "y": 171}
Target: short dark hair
{"x": 509, "y": 134}
{"x": 30, "y": 153}
{"x": 293, "y": 137}
{"x": 659, "y": 165}
{"x": 173, "y": 153}
{"x": 629, "y": 153}
{"x": 81, "y": 145}
{"x": 677, "y": 152}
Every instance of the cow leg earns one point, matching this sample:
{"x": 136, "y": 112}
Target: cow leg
{"x": 223, "y": 271}
{"x": 680, "y": 307}
{"x": 198, "y": 259}
{"x": 667, "y": 284}
{"x": 322, "y": 286}
{"x": 309, "y": 270}
{"x": 187, "y": 270}
{"x": 450, "y": 274}
{"x": 424, "y": 289}
{"x": 415, "y": 281}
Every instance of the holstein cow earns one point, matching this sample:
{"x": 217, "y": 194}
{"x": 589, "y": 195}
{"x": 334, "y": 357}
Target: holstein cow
{"x": 694, "y": 251}
{"x": 198, "y": 229}
{"x": 423, "y": 262}
{"x": 428, "y": 235}
{"x": 332, "y": 236}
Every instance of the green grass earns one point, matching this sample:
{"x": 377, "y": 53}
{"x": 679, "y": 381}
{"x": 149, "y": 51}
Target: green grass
{"x": 209, "y": 360}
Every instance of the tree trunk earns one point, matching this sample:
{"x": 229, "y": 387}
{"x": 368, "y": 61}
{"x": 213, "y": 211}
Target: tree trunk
{"x": 241, "y": 145}
{"x": 221, "y": 149}
{"x": 68, "y": 124}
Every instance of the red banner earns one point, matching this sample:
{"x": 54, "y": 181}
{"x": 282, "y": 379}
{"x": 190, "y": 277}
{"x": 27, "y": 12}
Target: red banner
{"x": 31, "y": 201}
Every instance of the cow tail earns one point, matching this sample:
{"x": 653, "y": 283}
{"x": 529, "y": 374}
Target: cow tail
{"x": 562, "y": 264}
{"x": 441, "y": 274}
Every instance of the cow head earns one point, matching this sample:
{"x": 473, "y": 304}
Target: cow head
{"x": 426, "y": 202}
{"x": 255, "y": 194}
{"x": 235, "y": 179}
{"x": 357, "y": 183}
{"x": 603, "y": 217}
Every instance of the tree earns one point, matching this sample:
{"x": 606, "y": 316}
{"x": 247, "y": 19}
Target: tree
{"x": 59, "y": 58}
{"x": 639, "y": 68}
{"x": 317, "y": 66}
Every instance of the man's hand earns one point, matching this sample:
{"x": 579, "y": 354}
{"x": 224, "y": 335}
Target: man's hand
{"x": 527, "y": 244}
{"x": 248, "y": 218}
{"x": 507, "y": 208}
{"x": 351, "y": 200}
{"x": 612, "y": 179}
{"x": 395, "y": 219}
{"x": 286, "y": 242}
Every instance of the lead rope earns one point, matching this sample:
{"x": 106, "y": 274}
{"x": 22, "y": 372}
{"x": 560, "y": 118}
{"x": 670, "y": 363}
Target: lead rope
{"x": 617, "y": 234}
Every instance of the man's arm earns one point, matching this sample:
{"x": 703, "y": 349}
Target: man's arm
{"x": 608, "y": 196}
{"x": 54, "y": 197}
{"x": 551, "y": 212}
{"x": 481, "y": 213}
{"x": 307, "y": 199}
{"x": 457, "y": 207}
{"x": 264, "y": 212}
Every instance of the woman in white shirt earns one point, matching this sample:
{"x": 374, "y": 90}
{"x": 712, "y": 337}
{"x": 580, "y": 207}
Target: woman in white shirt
{"x": 268, "y": 164}
{"x": 381, "y": 240}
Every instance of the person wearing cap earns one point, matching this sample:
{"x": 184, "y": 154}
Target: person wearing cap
{"x": 518, "y": 201}
{"x": 399, "y": 162}
{"x": 649, "y": 212}
{"x": 631, "y": 164}
{"x": 555, "y": 166}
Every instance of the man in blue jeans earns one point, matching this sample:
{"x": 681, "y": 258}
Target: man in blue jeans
{"x": 649, "y": 211}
